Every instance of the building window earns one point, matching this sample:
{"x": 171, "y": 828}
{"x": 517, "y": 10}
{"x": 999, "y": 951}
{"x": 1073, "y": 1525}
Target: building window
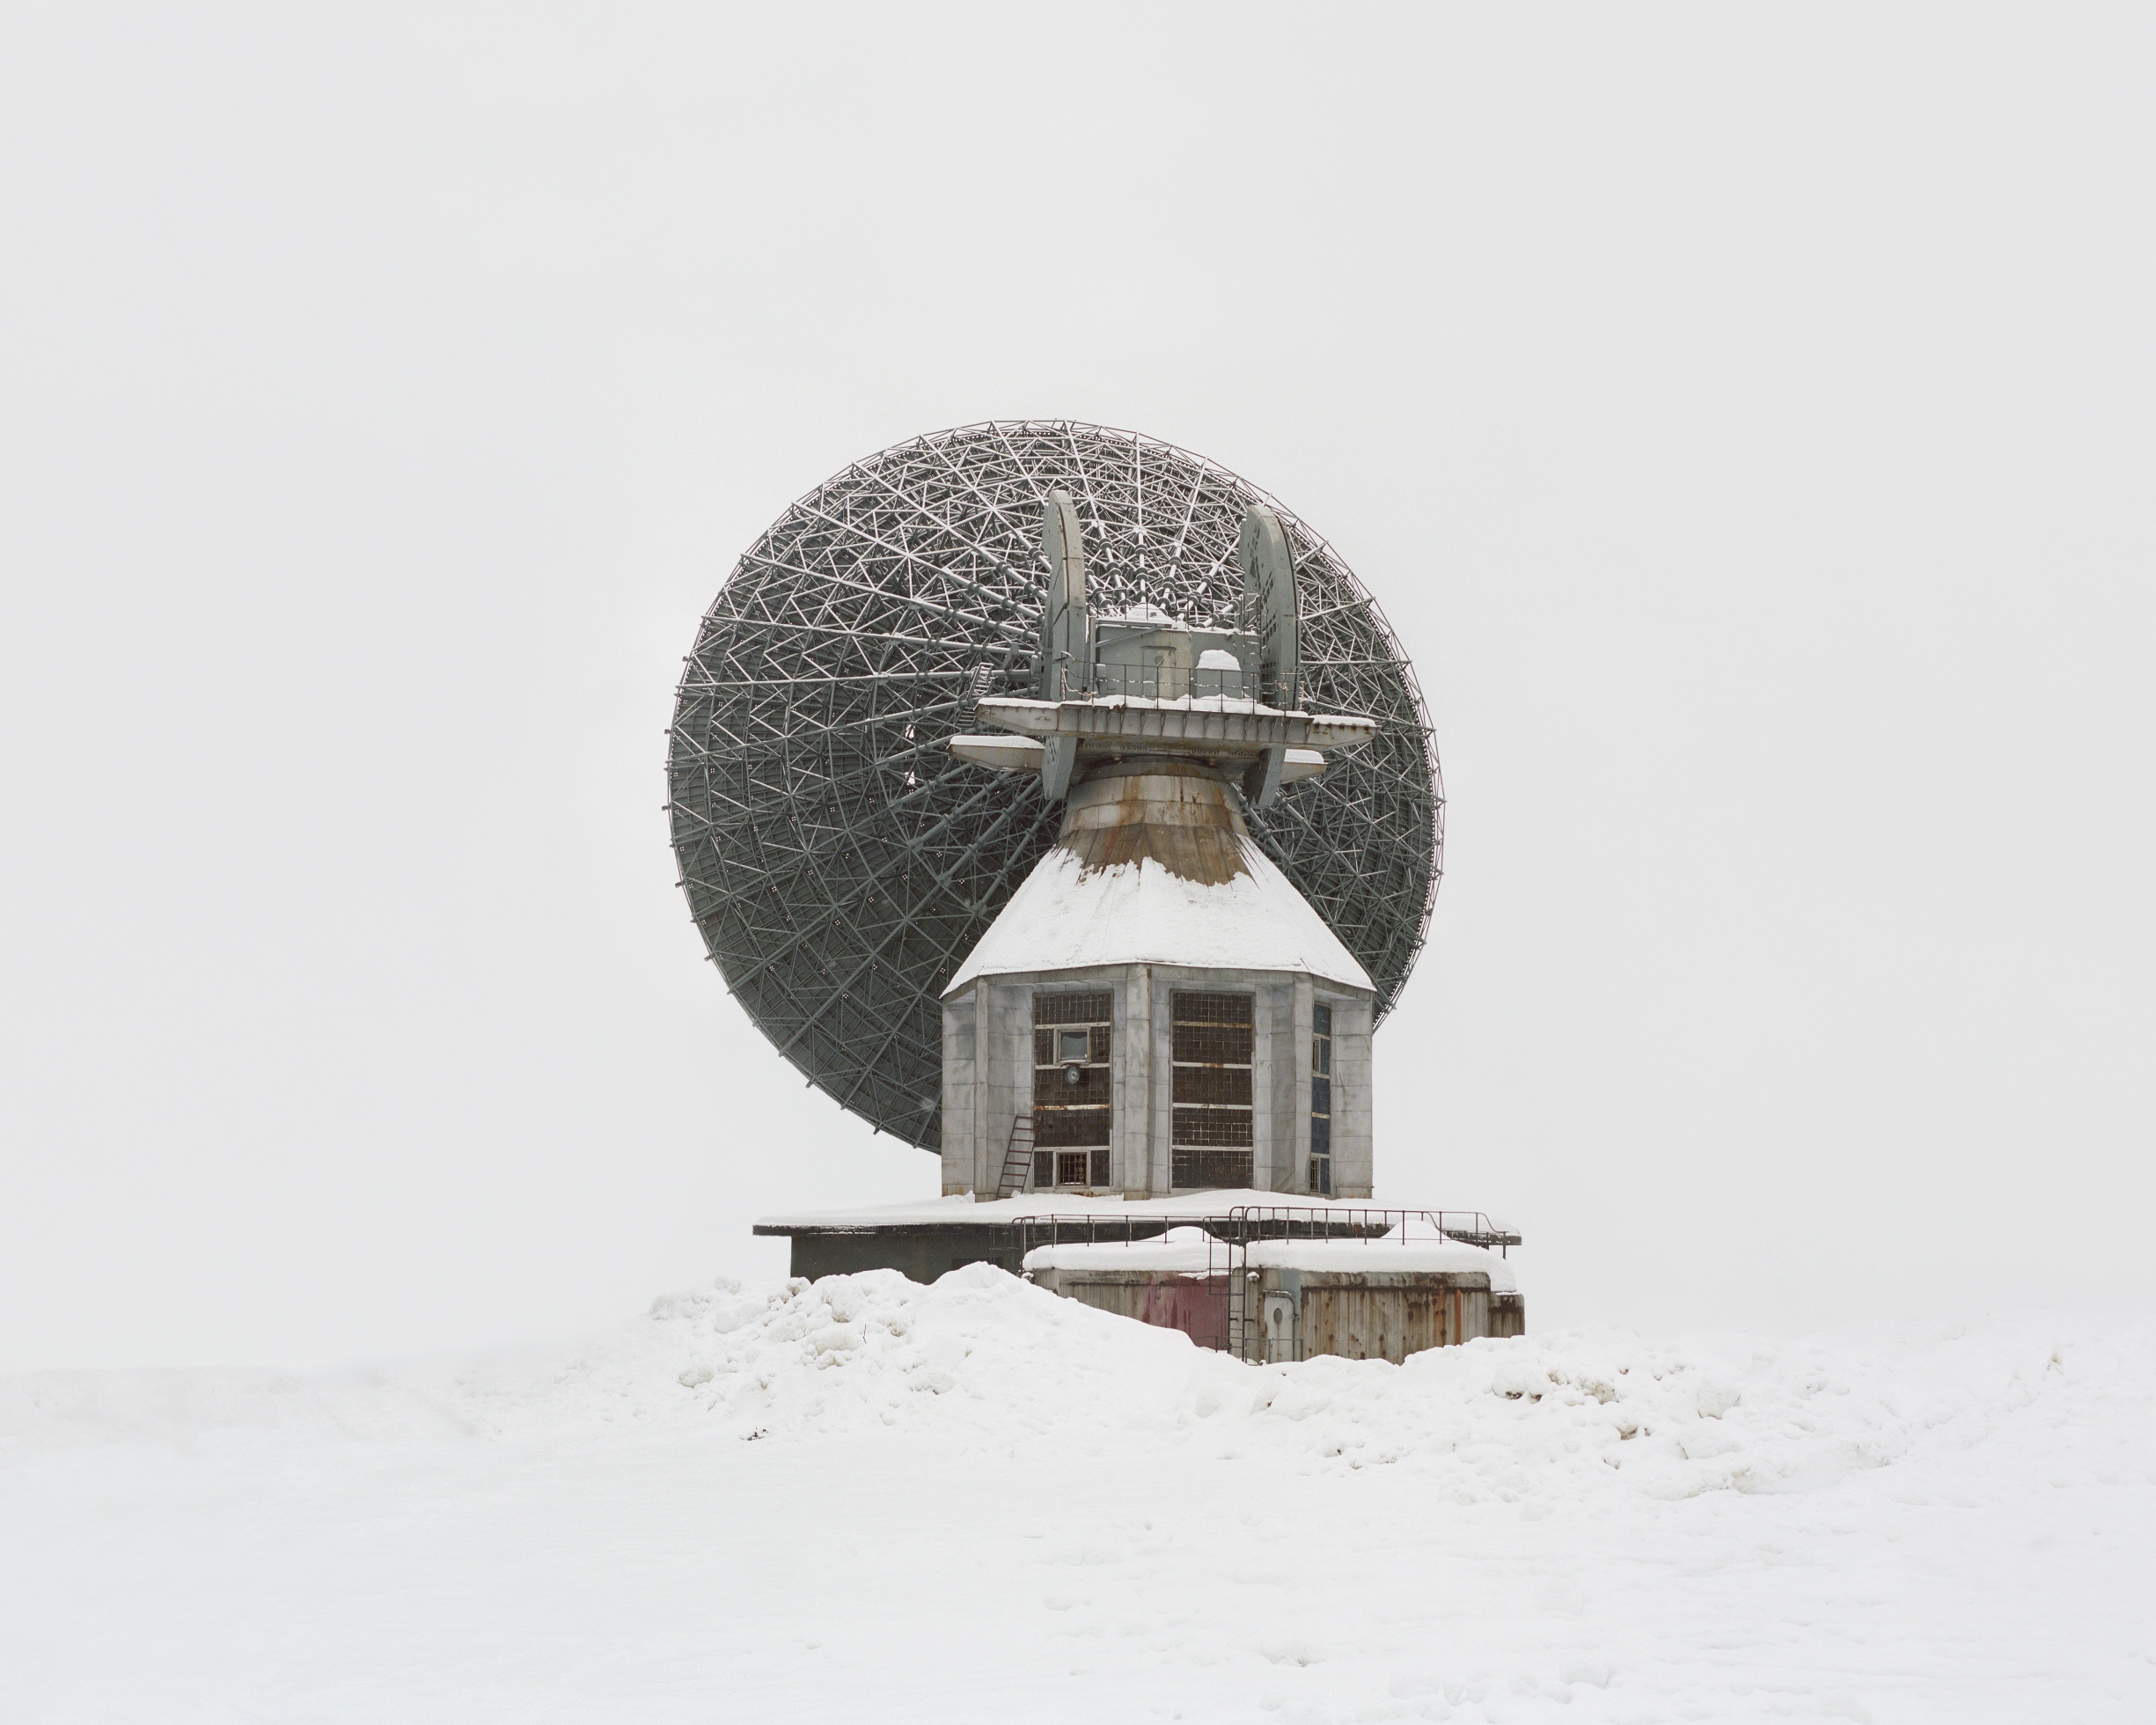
{"x": 1073, "y": 1107}
{"x": 1321, "y": 1100}
{"x": 1214, "y": 1035}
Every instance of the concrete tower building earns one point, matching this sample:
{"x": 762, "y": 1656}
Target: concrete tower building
{"x": 1157, "y": 1010}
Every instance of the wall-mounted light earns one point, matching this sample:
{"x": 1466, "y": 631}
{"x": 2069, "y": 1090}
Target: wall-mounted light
{"x": 1072, "y": 1049}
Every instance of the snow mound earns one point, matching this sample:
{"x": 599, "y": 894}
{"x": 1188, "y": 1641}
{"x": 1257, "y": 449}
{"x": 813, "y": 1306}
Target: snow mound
{"x": 979, "y": 1354}
{"x": 982, "y": 1357}
{"x": 982, "y": 1360}
{"x": 793, "y": 1501}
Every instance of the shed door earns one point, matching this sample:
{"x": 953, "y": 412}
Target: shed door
{"x": 1196, "y": 1305}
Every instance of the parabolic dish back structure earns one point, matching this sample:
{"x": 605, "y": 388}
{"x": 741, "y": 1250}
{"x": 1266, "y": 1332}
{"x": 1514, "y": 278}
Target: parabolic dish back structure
{"x": 840, "y": 863}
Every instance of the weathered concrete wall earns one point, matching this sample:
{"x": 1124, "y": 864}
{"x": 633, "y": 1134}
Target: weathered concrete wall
{"x": 1354, "y": 1171}
{"x": 920, "y": 1254}
{"x": 1373, "y": 1316}
{"x": 1359, "y": 1322}
{"x": 988, "y": 1074}
{"x": 1290, "y": 1091}
{"x": 1273, "y": 1047}
{"x": 961, "y": 1094}
{"x": 1135, "y": 1160}
{"x": 1007, "y": 1020}
{"x": 1352, "y": 1314}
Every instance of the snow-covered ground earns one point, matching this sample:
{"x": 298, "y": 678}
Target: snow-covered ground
{"x": 865, "y": 1501}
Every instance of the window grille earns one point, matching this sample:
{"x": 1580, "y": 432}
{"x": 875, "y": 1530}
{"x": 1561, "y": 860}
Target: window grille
{"x": 1091, "y": 1008}
{"x": 1073, "y": 1103}
{"x": 1321, "y": 1100}
{"x": 1211, "y": 1169}
{"x": 1214, "y": 1039}
{"x": 1078, "y": 1168}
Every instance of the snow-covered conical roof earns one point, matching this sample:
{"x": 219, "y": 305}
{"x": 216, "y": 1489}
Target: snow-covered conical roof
{"x": 1156, "y": 867}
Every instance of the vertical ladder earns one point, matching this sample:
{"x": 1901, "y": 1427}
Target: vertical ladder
{"x": 1246, "y": 1328}
{"x": 1018, "y": 1157}
{"x": 1238, "y": 1334}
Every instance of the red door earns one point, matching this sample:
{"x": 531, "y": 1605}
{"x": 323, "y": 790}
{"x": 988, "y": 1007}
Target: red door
{"x": 1196, "y": 1305}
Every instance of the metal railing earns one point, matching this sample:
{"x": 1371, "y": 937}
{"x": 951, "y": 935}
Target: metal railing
{"x": 1342, "y": 1222}
{"x": 1088, "y": 1228}
{"x": 1247, "y": 1223}
{"x": 1172, "y": 682}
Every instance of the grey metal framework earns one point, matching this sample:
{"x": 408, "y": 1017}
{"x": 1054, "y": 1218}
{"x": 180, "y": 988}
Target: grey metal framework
{"x": 839, "y": 863}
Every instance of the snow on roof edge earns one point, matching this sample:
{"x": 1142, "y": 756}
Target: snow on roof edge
{"x": 968, "y": 1212}
{"x": 1190, "y": 1252}
{"x": 1066, "y": 917}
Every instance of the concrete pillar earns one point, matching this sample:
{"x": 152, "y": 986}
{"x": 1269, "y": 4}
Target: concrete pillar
{"x": 1160, "y": 1117}
{"x": 1352, "y": 1152}
{"x": 1134, "y": 1085}
{"x": 984, "y": 1183}
{"x": 1306, "y": 1002}
{"x": 961, "y": 1094}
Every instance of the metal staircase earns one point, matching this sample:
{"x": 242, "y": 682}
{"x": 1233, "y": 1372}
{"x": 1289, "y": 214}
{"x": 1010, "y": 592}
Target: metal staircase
{"x": 1018, "y": 1157}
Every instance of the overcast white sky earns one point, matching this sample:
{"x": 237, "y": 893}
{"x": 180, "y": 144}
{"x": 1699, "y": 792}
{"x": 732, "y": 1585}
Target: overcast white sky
{"x": 1743, "y": 414}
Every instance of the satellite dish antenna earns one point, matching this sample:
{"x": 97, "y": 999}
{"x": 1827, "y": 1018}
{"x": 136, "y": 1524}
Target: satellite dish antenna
{"x": 840, "y": 862}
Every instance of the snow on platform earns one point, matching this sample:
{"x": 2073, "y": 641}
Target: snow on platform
{"x": 1179, "y": 1252}
{"x": 1191, "y": 1251}
{"x": 1383, "y": 1257}
{"x": 866, "y": 1500}
{"x": 962, "y": 1212}
{"x": 1411, "y": 1246}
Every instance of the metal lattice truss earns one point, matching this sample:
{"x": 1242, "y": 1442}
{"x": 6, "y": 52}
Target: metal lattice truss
{"x": 839, "y": 863}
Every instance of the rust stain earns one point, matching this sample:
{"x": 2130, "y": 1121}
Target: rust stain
{"x": 1185, "y": 821}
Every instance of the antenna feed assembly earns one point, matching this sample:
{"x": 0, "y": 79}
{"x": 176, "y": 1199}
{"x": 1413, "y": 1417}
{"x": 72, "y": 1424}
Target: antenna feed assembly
{"x": 1139, "y": 681}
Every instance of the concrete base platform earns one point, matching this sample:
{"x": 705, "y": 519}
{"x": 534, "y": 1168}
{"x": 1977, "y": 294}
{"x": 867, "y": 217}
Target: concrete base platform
{"x": 930, "y": 1239}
